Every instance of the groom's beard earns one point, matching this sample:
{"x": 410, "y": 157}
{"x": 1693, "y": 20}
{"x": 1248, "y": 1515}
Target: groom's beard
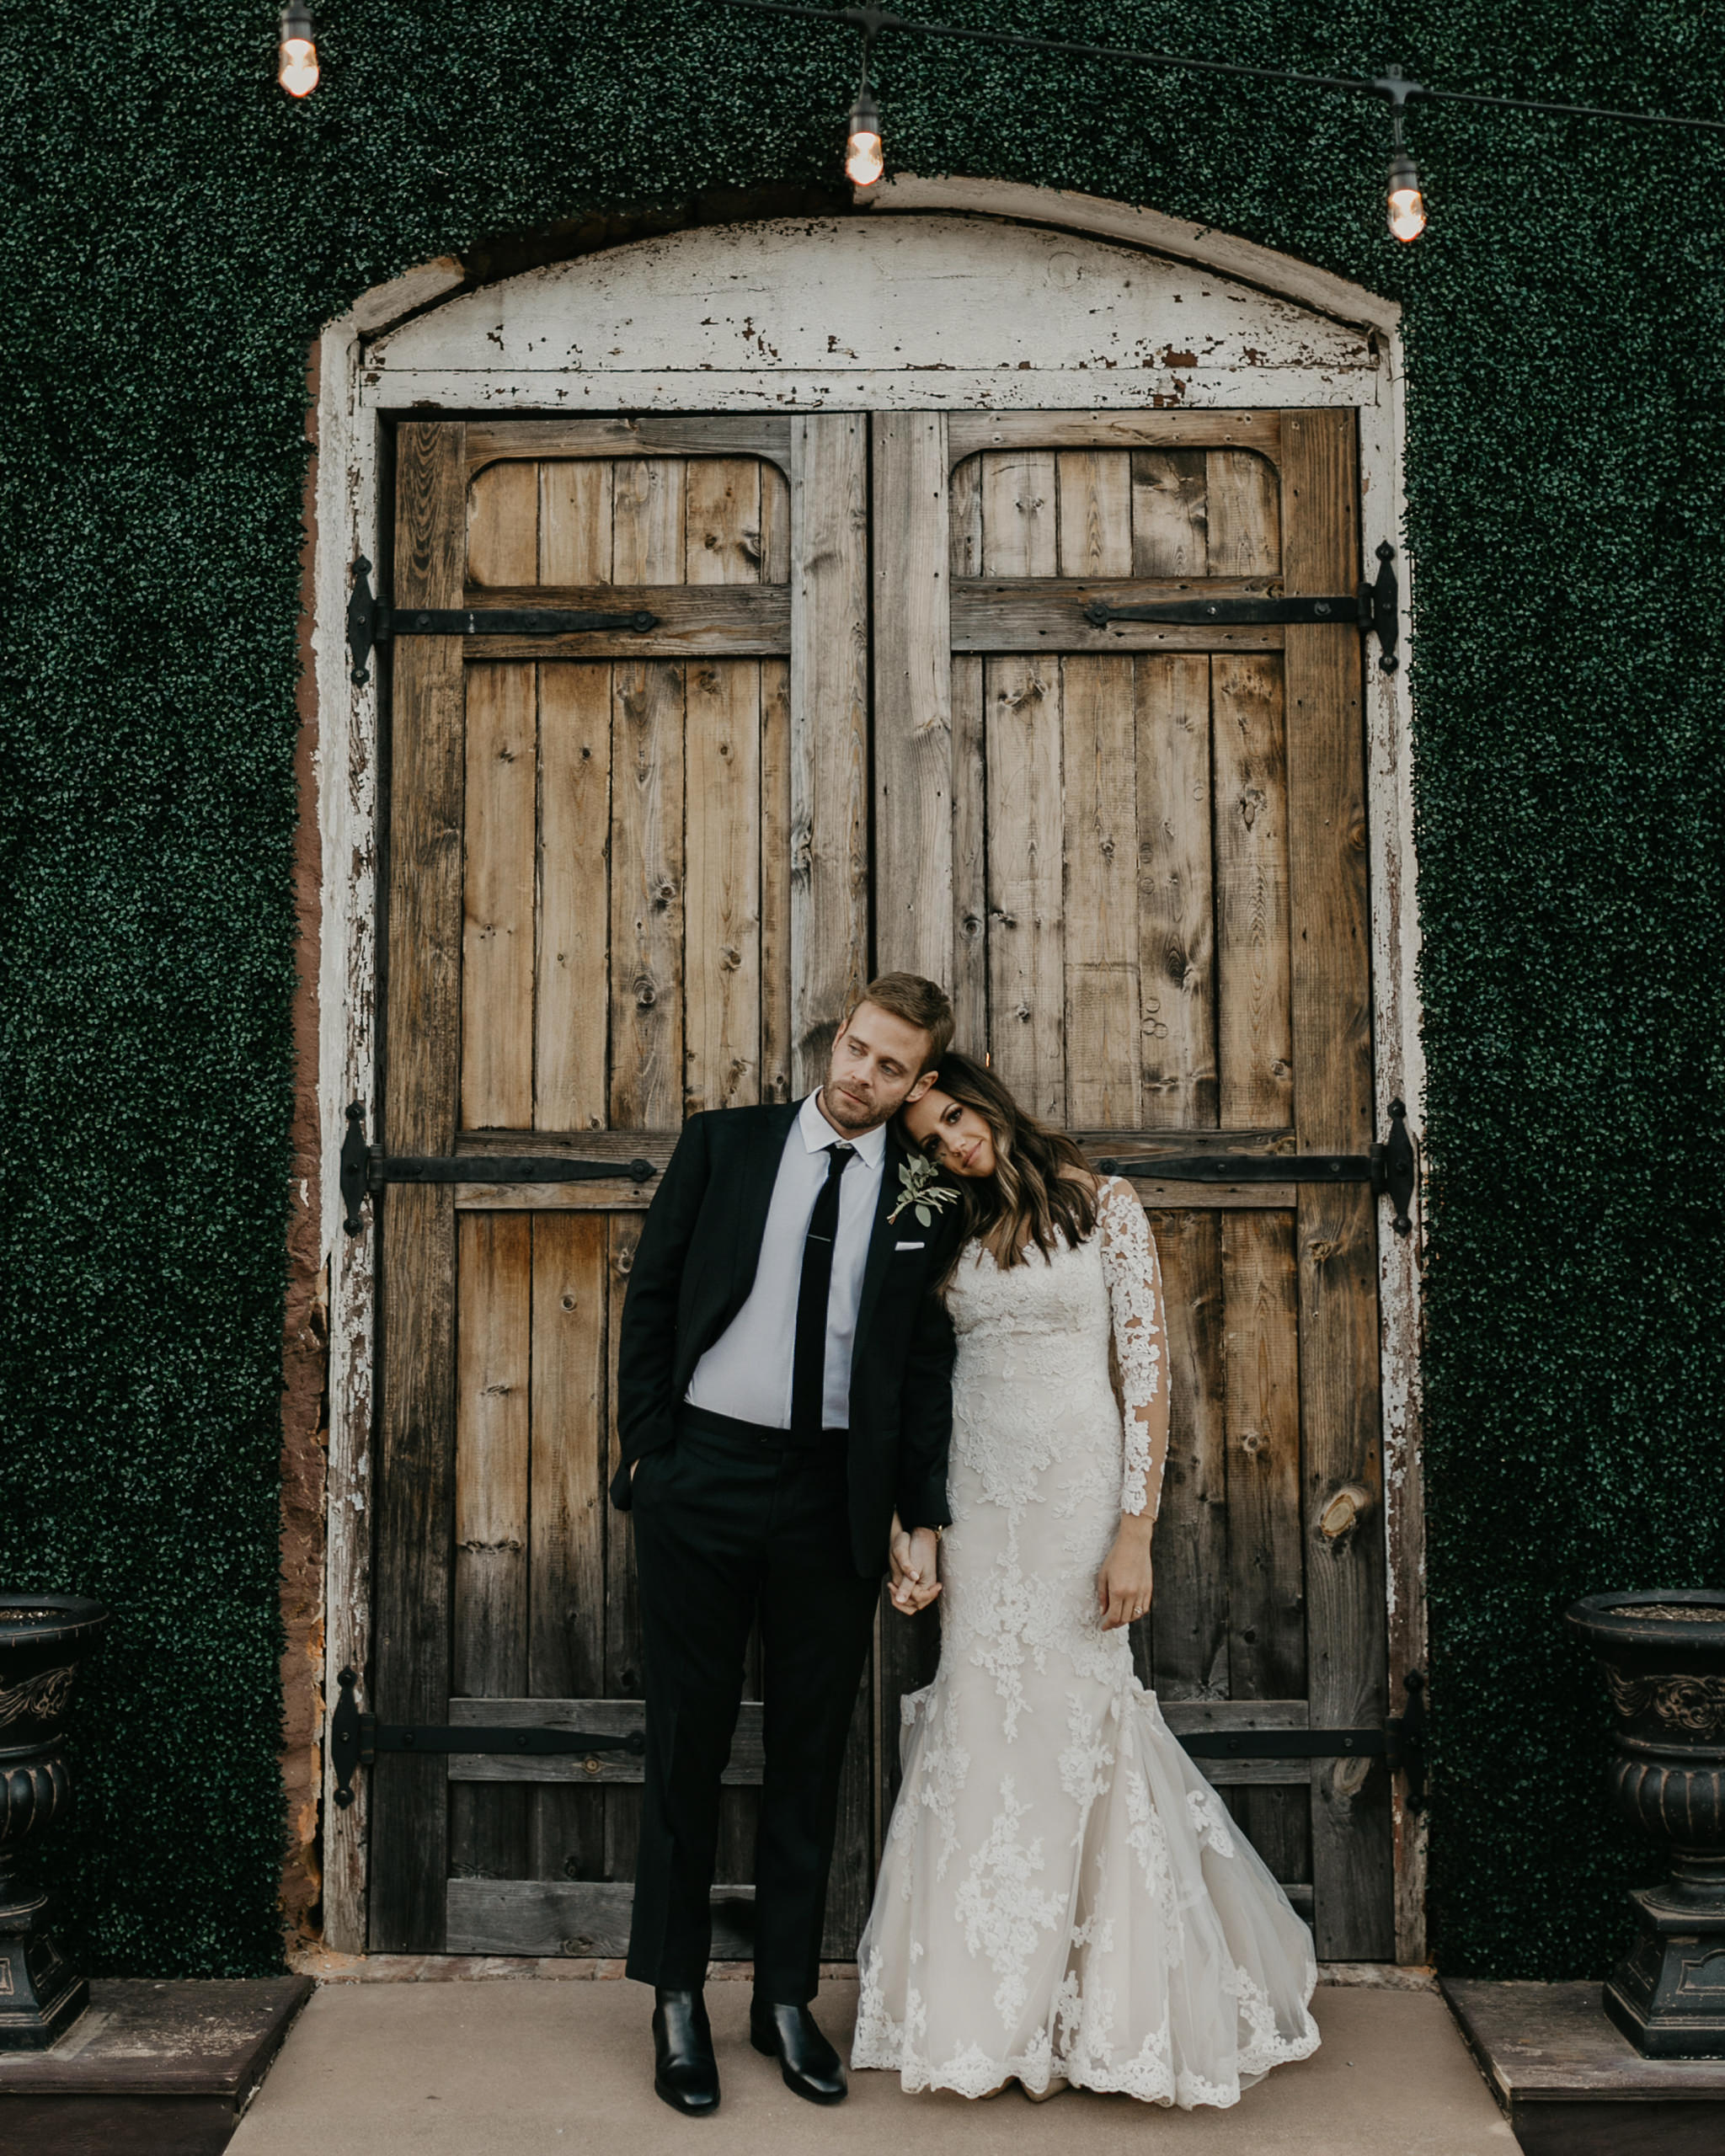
{"x": 852, "y": 1112}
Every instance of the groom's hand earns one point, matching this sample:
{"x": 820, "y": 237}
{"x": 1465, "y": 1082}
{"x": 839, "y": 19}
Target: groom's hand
{"x": 916, "y": 1559}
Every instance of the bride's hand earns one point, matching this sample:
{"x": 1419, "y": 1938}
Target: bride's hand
{"x": 1122, "y": 1586}
{"x": 915, "y": 1579}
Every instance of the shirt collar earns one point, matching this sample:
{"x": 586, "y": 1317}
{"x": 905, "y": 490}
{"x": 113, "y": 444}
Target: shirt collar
{"x": 817, "y": 1134}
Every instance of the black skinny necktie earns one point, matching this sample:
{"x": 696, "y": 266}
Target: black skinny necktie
{"x": 808, "y": 1360}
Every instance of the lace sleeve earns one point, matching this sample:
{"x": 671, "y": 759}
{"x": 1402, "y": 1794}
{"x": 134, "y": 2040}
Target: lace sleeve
{"x": 1134, "y": 1285}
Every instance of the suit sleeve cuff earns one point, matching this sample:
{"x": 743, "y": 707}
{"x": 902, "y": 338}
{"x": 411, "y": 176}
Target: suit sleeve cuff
{"x": 924, "y": 1504}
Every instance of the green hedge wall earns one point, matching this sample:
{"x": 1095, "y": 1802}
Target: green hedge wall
{"x": 174, "y": 231}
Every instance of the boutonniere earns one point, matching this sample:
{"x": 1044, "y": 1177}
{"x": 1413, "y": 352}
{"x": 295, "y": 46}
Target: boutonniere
{"x": 921, "y": 1190}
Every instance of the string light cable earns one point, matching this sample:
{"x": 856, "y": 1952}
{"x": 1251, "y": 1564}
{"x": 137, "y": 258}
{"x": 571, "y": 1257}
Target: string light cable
{"x": 298, "y": 73}
{"x": 1404, "y": 200}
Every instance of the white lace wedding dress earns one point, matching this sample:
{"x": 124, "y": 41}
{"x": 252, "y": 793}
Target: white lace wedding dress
{"x": 1062, "y": 1896}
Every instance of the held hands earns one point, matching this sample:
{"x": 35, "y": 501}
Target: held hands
{"x": 1122, "y": 1586}
{"x": 914, "y": 1564}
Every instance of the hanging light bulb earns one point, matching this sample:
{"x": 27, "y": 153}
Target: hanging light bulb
{"x": 1406, "y": 205}
{"x": 863, "y": 161}
{"x": 296, "y": 66}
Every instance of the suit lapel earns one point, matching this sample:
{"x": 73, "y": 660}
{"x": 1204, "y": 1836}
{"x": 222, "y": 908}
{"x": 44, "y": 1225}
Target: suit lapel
{"x": 760, "y": 1162}
{"x": 881, "y": 1241}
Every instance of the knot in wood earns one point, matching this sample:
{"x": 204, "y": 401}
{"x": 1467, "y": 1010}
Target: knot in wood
{"x": 1341, "y": 1515}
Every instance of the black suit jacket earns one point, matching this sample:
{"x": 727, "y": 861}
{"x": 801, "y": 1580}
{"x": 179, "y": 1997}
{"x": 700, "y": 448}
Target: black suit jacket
{"x": 692, "y": 1274}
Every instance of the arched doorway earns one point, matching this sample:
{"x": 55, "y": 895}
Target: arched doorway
{"x": 867, "y": 474}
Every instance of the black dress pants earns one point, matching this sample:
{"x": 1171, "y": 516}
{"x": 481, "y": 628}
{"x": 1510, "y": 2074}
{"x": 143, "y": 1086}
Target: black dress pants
{"x": 730, "y": 1524}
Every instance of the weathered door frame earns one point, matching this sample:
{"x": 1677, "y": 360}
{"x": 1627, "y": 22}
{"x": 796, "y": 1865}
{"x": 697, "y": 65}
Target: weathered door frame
{"x": 354, "y": 415}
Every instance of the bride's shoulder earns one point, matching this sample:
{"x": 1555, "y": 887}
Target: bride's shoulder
{"x": 1118, "y": 1205}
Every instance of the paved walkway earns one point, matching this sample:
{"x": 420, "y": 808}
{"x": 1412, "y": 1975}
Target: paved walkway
{"x": 527, "y": 2068}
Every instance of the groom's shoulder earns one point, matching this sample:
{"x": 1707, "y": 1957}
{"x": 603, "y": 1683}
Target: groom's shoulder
{"x": 721, "y": 1129}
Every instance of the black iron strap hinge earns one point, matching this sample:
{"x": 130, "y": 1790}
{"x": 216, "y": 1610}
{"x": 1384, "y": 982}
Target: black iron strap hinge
{"x": 370, "y": 622}
{"x": 355, "y": 1739}
{"x": 1373, "y": 609}
{"x": 366, "y": 1169}
{"x": 1390, "y": 1167}
{"x": 1399, "y": 1742}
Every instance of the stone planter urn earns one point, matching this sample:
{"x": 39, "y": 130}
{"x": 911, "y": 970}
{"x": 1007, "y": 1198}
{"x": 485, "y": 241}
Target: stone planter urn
{"x": 45, "y": 1641}
{"x": 1664, "y": 1659}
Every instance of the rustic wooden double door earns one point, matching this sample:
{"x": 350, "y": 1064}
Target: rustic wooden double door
{"x": 637, "y": 871}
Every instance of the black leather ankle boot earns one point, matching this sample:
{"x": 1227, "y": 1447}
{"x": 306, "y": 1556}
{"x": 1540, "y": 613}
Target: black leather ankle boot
{"x": 809, "y": 2064}
{"x": 685, "y": 2072}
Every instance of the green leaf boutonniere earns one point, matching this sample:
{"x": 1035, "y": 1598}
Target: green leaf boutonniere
{"x": 921, "y": 1190}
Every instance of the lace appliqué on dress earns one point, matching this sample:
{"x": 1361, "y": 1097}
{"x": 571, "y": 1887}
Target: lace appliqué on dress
{"x": 1133, "y": 1274}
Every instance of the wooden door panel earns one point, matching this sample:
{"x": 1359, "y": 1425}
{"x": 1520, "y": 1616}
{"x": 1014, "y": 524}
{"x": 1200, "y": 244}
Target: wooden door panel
{"x": 629, "y": 881}
{"x": 1158, "y": 905}
{"x": 567, "y": 1514}
{"x": 1176, "y": 916}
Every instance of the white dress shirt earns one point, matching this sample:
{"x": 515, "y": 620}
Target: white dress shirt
{"x": 747, "y": 1371}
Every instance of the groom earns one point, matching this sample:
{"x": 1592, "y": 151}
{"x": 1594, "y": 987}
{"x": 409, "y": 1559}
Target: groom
{"x": 784, "y": 1384}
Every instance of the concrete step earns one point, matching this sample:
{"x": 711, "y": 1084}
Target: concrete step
{"x": 1572, "y": 2085}
{"x": 148, "y": 2069}
{"x": 525, "y": 2066}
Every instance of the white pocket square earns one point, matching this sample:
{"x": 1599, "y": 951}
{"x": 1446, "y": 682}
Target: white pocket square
{"x": 910, "y": 1245}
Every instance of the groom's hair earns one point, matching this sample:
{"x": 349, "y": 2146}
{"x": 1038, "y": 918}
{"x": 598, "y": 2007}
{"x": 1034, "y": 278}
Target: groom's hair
{"x": 920, "y": 1003}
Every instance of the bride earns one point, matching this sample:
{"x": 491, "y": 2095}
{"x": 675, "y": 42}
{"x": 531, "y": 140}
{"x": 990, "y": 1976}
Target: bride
{"x": 1062, "y": 1898}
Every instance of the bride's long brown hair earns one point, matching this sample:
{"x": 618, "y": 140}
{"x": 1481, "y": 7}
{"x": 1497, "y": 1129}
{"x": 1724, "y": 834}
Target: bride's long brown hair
{"x": 1042, "y": 1189}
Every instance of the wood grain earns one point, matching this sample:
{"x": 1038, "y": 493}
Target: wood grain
{"x": 575, "y": 523}
{"x": 1170, "y": 535}
{"x": 414, "y": 1489}
{"x": 969, "y": 777}
{"x": 653, "y": 435}
{"x": 721, "y": 903}
{"x": 1093, "y": 513}
{"x": 566, "y": 1573}
{"x": 603, "y": 1717}
{"x": 497, "y": 899}
{"x": 968, "y": 987}
{"x": 503, "y": 517}
{"x": 972, "y": 432}
{"x": 1244, "y": 516}
{"x": 1026, "y": 990}
{"x": 1026, "y": 827}
{"x": 623, "y": 1679}
{"x": 585, "y": 1920}
{"x": 1267, "y": 1615}
{"x": 851, "y": 1879}
{"x": 830, "y": 789}
{"x": 1100, "y": 771}
{"x": 1019, "y": 613}
{"x": 1331, "y": 1005}
{"x": 489, "y": 1830}
{"x": 572, "y": 960}
{"x": 1175, "y": 893}
{"x": 647, "y": 897}
{"x": 1254, "y": 1048}
{"x": 774, "y": 828}
{"x": 722, "y": 520}
{"x": 1261, "y": 1360}
{"x": 720, "y": 621}
{"x": 1185, "y": 1653}
{"x": 912, "y": 643}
